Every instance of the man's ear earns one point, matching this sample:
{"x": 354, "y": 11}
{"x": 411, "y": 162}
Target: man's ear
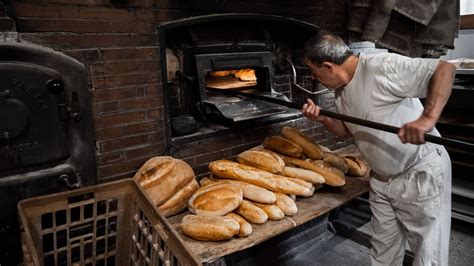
{"x": 329, "y": 66}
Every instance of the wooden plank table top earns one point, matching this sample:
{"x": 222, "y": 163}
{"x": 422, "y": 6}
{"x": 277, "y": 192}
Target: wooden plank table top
{"x": 324, "y": 200}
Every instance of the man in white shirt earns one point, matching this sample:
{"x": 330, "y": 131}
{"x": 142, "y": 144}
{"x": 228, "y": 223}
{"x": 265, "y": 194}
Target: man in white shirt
{"x": 410, "y": 182}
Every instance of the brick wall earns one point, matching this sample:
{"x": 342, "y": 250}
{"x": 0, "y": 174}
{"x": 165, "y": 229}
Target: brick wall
{"x": 117, "y": 41}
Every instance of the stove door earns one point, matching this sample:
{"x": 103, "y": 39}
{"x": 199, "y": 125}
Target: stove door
{"x": 34, "y": 116}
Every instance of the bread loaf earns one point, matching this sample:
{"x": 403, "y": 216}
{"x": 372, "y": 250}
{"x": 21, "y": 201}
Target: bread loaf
{"x": 336, "y": 161}
{"x": 286, "y": 204}
{"x": 220, "y": 73}
{"x": 251, "y": 212}
{"x": 215, "y": 200}
{"x": 245, "y": 227}
{"x": 251, "y": 192}
{"x": 310, "y": 148}
{"x": 248, "y": 75}
{"x": 282, "y": 145}
{"x": 303, "y": 174}
{"x": 163, "y": 176}
{"x": 262, "y": 159}
{"x": 204, "y": 228}
{"x": 331, "y": 176}
{"x": 249, "y": 174}
{"x": 179, "y": 201}
{"x": 356, "y": 167}
{"x": 273, "y": 212}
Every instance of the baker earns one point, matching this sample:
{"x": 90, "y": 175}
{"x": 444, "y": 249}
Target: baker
{"x": 410, "y": 195}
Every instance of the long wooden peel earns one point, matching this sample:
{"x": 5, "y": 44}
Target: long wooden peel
{"x": 354, "y": 120}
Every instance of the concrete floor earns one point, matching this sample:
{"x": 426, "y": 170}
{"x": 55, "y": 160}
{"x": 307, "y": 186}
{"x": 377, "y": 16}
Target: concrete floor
{"x": 341, "y": 251}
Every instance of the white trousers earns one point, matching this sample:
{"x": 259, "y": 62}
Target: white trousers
{"x": 413, "y": 207}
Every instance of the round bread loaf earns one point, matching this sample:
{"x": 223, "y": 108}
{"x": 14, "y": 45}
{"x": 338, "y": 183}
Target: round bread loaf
{"x": 310, "y": 148}
{"x": 204, "y": 228}
{"x": 179, "y": 201}
{"x": 356, "y": 167}
{"x": 163, "y": 176}
{"x": 215, "y": 200}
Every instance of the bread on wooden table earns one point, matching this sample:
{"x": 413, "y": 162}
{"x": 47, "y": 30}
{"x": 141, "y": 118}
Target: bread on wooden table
{"x": 262, "y": 159}
{"x": 333, "y": 177}
{"x": 252, "y": 175}
{"x": 163, "y": 176}
{"x": 179, "y": 201}
{"x": 245, "y": 227}
{"x": 215, "y": 200}
{"x": 303, "y": 174}
{"x": 356, "y": 167}
{"x": 310, "y": 148}
{"x": 336, "y": 161}
{"x": 273, "y": 212}
{"x": 213, "y": 228}
{"x": 250, "y": 191}
{"x": 282, "y": 145}
{"x": 251, "y": 212}
{"x": 286, "y": 204}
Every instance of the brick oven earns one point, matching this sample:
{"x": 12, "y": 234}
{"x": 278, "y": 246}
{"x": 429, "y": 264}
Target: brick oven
{"x": 138, "y": 93}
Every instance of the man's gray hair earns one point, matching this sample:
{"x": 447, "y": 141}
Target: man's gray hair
{"x": 326, "y": 47}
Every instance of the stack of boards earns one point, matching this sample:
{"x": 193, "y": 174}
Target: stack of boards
{"x": 262, "y": 185}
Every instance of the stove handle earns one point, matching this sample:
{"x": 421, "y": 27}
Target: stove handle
{"x": 64, "y": 179}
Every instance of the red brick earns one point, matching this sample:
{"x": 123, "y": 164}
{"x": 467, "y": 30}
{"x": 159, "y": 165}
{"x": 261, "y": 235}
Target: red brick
{"x": 212, "y": 156}
{"x": 130, "y": 54}
{"x": 56, "y": 40}
{"x": 116, "y": 144}
{"x": 108, "y": 107}
{"x": 100, "y": 13}
{"x": 155, "y": 113}
{"x": 153, "y": 90}
{"x": 89, "y": 56}
{"x": 117, "y": 68}
{"x": 104, "y": 95}
{"x": 139, "y": 103}
{"x": 34, "y": 10}
{"x": 132, "y": 27}
{"x": 108, "y": 158}
{"x": 137, "y": 78}
{"x": 147, "y": 151}
{"x": 120, "y": 168}
{"x": 108, "y": 133}
{"x": 117, "y": 119}
{"x": 63, "y": 25}
{"x": 145, "y": 127}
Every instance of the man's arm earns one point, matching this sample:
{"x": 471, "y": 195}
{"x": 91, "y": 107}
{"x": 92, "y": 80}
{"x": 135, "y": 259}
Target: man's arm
{"x": 335, "y": 126}
{"x": 439, "y": 89}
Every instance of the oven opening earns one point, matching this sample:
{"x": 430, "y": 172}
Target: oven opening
{"x": 232, "y": 78}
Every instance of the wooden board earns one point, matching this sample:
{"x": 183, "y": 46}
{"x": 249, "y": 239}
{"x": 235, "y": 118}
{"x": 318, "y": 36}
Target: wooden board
{"x": 323, "y": 201}
{"x": 228, "y": 83}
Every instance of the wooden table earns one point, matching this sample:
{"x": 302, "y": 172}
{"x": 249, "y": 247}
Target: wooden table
{"x": 324, "y": 200}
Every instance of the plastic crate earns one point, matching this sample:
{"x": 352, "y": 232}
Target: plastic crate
{"x": 108, "y": 224}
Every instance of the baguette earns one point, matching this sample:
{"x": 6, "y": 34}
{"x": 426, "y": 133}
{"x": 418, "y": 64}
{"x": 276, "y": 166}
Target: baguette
{"x": 272, "y": 210}
{"x": 304, "y": 174}
{"x": 245, "y": 227}
{"x": 215, "y": 200}
{"x": 262, "y": 159}
{"x": 282, "y": 145}
{"x": 356, "y": 167}
{"x": 204, "y": 228}
{"x": 336, "y": 161}
{"x": 249, "y": 174}
{"x": 310, "y": 148}
{"x": 251, "y": 212}
{"x": 286, "y": 204}
{"x": 251, "y": 192}
{"x": 179, "y": 201}
{"x": 332, "y": 177}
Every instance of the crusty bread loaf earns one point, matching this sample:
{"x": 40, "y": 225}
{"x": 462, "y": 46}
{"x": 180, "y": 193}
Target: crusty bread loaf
{"x": 204, "y": 228}
{"x": 262, "y": 159}
{"x": 282, "y": 145}
{"x": 251, "y": 212}
{"x": 303, "y": 174}
{"x": 245, "y": 227}
{"x": 272, "y": 210}
{"x": 310, "y": 148}
{"x": 250, "y": 191}
{"x": 286, "y": 204}
{"x": 336, "y": 161}
{"x": 179, "y": 201}
{"x": 215, "y": 200}
{"x": 249, "y": 174}
{"x": 220, "y": 73}
{"x": 356, "y": 167}
{"x": 163, "y": 176}
{"x": 248, "y": 75}
{"x": 331, "y": 176}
